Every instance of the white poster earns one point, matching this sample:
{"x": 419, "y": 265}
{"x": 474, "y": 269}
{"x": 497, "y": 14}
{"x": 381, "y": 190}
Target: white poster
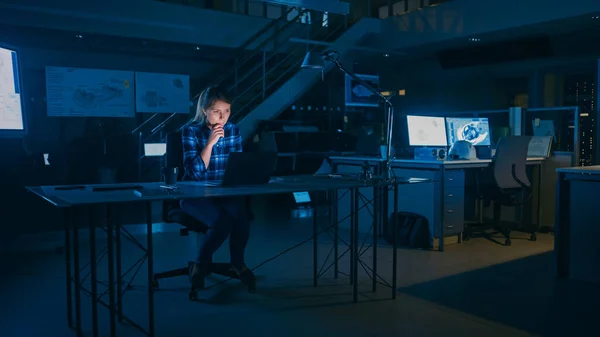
{"x": 162, "y": 93}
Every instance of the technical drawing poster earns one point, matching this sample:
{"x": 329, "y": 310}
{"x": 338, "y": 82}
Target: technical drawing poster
{"x": 74, "y": 92}
{"x": 358, "y": 95}
{"x": 162, "y": 93}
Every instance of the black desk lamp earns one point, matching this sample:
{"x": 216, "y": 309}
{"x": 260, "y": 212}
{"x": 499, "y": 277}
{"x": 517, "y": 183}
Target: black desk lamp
{"x": 314, "y": 60}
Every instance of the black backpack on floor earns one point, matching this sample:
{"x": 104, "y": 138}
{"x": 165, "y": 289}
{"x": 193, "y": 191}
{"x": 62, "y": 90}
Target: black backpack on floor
{"x": 412, "y": 230}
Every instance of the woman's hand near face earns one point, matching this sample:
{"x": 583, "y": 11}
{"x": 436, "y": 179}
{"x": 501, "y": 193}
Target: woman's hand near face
{"x": 216, "y": 133}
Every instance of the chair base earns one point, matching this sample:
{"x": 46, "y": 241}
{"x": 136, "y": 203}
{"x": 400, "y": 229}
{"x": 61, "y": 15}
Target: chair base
{"x": 223, "y": 269}
{"x": 479, "y": 230}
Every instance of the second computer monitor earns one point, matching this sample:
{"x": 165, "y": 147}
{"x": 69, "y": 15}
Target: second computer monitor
{"x": 426, "y": 131}
{"x": 474, "y": 130}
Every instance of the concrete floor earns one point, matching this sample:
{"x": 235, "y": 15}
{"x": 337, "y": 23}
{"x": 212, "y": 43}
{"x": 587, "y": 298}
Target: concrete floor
{"x": 477, "y": 288}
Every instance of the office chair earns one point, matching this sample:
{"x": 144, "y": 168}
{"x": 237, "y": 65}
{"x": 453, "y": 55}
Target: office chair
{"x": 172, "y": 213}
{"x": 507, "y": 184}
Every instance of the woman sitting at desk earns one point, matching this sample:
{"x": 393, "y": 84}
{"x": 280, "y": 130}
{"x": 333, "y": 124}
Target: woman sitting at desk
{"x": 206, "y": 146}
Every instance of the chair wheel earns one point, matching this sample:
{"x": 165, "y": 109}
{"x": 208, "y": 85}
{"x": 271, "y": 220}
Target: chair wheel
{"x": 507, "y": 242}
{"x": 533, "y": 237}
{"x": 466, "y": 237}
{"x": 193, "y": 296}
{"x": 155, "y": 284}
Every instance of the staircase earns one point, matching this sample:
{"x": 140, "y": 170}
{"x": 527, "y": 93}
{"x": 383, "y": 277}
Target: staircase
{"x": 265, "y": 75}
{"x": 290, "y": 81}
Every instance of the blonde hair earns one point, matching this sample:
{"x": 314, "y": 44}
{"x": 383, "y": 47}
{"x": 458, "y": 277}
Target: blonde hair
{"x": 207, "y": 99}
{"x": 200, "y": 114}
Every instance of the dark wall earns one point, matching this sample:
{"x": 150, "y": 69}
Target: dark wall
{"x": 68, "y": 140}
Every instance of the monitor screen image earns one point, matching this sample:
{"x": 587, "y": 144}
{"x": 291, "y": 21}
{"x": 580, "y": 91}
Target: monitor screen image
{"x": 474, "y": 130}
{"x": 11, "y": 111}
{"x": 426, "y": 131}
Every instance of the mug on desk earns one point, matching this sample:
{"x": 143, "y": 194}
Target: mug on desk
{"x": 170, "y": 175}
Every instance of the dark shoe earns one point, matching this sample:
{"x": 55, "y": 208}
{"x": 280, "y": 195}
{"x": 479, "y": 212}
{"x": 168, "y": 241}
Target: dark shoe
{"x": 247, "y": 277}
{"x": 197, "y": 275}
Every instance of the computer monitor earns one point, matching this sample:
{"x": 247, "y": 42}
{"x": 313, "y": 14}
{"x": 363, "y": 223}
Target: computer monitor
{"x": 12, "y": 121}
{"x": 474, "y": 130}
{"x": 426, "y": 131}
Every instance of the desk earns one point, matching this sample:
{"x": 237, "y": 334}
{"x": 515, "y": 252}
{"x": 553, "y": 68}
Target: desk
{"x": 576, "y": 224}
{"x": 443, "y": 201}
{"x": 71, "y": 199}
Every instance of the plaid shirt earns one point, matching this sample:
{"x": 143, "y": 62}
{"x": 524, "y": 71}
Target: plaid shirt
{"x": 195, "y": 138}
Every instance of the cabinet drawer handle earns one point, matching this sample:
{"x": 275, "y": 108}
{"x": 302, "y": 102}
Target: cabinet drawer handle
{"x": 450, "y": 195}
{"x": 449, "y": 227}
{"x": 450, "y": 179}
{"x": 450, "y": 211}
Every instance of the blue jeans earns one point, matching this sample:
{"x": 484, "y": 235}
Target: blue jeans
{"x": 225, "y": 217}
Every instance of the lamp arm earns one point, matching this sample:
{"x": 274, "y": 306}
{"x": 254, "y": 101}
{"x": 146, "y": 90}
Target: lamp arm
{"x": 390, "y": 114}
{"x": 359, "y": 80}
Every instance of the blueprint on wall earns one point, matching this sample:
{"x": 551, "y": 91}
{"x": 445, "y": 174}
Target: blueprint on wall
{"x": 162, "y": 93}
{"x": 75, "y": 92}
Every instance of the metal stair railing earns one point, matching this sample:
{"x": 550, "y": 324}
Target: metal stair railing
{"x": 273, "y": 28}
{"x": 233, "y": 72}
{"x": 233, "y": 78}
{"x": 286, "y": 70}
{"x": 257, "y": 51}
{"x": 243, "y": 49}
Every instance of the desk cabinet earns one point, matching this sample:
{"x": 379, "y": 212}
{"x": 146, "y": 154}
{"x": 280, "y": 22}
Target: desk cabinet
{"x": 425, "y": 199}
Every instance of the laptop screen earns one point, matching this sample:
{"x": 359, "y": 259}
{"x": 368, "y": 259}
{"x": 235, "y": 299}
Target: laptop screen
{"x": 539, "y": 146}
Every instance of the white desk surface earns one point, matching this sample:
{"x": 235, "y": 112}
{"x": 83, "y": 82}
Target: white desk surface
{"x": 439, "y": 162}
{"x": 595, "y": 170}
{"x": 455, "y": 162}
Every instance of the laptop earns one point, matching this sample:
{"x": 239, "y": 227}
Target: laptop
{"x": 540, "y": 146}
{"x": 247, "y": 168}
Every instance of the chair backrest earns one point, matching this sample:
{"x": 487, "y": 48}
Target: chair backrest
{"x": 174, "y": 155}
{"x": 173, "y": 158}
{"x": 510, "y": 162}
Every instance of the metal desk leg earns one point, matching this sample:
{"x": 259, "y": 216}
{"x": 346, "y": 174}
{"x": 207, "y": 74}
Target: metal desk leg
{"x": 395, "y": 244}
{"x": 150, "y": 269}
{"x": 315, "y": 250}
{"x": 111, "y": 272}
{"x": 351, "y": 248}
{"x": 442, "y": 211}
{"x": 539, "y": 197}
{"x": 68, "y": 267}
{"x": 93, "y": 276}
{"x": 562, "y": 230}
{"x": 335, "y": 223}
{"x": 76, "y": 277}
{"x": 376, "y": 195}
{"x": 119, "y": 270}
{"x": 355, "y": 252}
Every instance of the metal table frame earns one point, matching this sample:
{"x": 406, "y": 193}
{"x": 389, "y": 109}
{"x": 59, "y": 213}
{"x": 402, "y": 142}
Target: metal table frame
{"x": 114, "y": 232}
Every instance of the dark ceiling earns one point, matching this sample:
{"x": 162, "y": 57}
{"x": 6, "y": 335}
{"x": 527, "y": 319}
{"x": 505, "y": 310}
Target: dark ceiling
{"x": 28, "y": 37}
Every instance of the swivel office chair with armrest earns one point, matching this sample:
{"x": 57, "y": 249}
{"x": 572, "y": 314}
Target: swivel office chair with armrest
{"x": 172, "y": 213}
{"x": 507, "y": 183}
